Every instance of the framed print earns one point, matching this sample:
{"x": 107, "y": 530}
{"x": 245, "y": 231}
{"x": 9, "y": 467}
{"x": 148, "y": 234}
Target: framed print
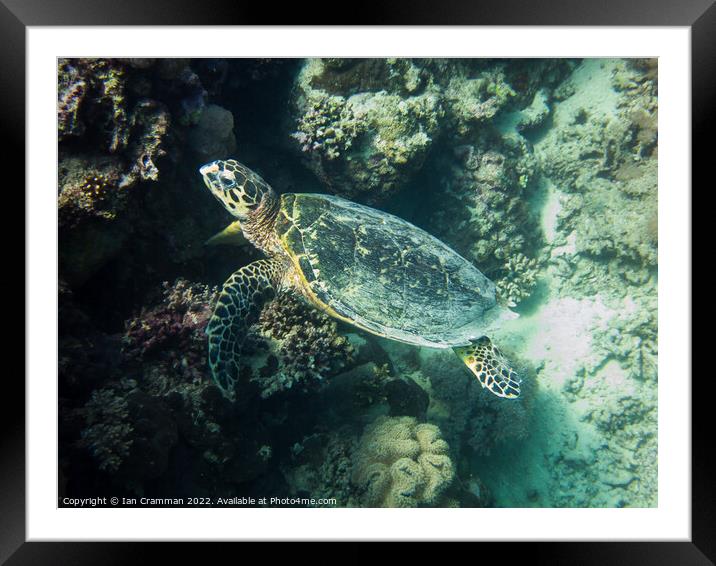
{"x": 407, "y": 282}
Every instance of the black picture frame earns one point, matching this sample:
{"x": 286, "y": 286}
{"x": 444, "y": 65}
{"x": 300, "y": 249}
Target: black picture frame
{"x": 16, "y": 15}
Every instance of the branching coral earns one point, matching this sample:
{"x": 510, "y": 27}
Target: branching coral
{"x": 328, "y": 126}
{"x": 173, "y": 334}
{"x": 400, "y": 463}
{"x": 519, "y": 280}
{"x": 305, "y": 343}
{"x": 108, "y": 431}
{"x": 320, "y": 465}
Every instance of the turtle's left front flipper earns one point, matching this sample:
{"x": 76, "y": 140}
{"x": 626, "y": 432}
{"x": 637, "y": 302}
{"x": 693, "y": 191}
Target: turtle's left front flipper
{"x": 490, "y": 367}
{"x": 238, "y": 306}
{"x": 232, "y": 235}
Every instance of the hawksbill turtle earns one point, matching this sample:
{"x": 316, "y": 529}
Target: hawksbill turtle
{"x": 358, "y": 264}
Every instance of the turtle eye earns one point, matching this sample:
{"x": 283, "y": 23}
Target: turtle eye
{"x": 226, "y": 179}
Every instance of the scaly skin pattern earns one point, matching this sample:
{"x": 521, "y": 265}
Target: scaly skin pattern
{"x": 238, "y": 306}
{"x": 491, "y": 368}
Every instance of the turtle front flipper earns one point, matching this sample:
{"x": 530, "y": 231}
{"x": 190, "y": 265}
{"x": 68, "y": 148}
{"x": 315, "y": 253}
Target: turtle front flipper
{"x": 232, "y": 235}
{"x": 238, "y": 306}
{"x": 490, "y": 367}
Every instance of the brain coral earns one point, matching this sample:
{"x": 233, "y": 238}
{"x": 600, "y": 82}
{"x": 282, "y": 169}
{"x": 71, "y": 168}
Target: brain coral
{"x": 401, "y": 463}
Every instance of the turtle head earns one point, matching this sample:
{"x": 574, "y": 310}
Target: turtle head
{"x": 239, "y": 189}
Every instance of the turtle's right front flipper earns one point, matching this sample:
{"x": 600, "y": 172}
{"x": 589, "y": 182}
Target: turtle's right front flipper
{"x": 239, "y": 304}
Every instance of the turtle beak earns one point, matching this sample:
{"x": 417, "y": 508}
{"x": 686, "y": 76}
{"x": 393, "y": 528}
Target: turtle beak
{"x": 210, "y": 169}
{"x": 209, "y": 172}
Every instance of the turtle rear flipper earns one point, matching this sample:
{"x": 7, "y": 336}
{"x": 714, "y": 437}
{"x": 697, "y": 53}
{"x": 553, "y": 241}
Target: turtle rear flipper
{"x": 490, "y": 367}
{"x": 238, "y": 306}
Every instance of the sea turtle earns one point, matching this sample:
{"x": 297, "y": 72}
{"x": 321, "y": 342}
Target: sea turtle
{"x": 361, "y": 265}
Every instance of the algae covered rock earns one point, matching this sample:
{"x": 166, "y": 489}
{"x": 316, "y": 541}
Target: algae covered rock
{"x": 362, "y": 144}
{"x": 113, "y": 136}
{"x": 475, "y": 101}
{"x": 481, "y": 209}
{"x": 401, "y": 463}
{"x": 213, "y": 136}
{"x": 406, "y": 398}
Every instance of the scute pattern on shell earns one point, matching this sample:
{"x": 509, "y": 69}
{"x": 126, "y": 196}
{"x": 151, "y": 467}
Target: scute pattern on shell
{"x": 382, "y": 273}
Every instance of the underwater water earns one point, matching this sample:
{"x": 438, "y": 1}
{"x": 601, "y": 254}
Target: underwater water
{"x": 540, "y": 173}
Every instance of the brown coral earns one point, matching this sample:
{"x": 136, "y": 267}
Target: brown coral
{"x": 304, "y": 343}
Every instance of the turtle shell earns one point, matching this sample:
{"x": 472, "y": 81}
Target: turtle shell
{"x": 383, "y": 274}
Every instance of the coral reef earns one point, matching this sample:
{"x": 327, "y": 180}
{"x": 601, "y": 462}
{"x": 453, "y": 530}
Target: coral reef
{"x": 128, "y": 432}
{"x": 108, "y": 431}
{"x": 131, "y": 426}
{"x": 536, "y": 114}
{"x": 99, "y": 98}
{"x": 596, "y": 353}
{"x": 400, "y": 463}
{"x": 520, "y": 279}
{"x": 320, "y": 467}
{"x": 632, "y": 339}
{"x": 213, "y": 135}
{"x": 484, "y": 193}
{"x": 328, "y": 127}
{"x": 468, "y": 416}
{"x": 172, "y": 334}
{"x": 364, "y": 145}
{"x": 540, "y": 172}
{"x": 90, "y": 207}
{"x": 474, "y": 101}
{"x": 125, "y": 125}
{"x": 306, "y": 347}
{"x": 598, "y": 154}
{"x": 355, "y": 394}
